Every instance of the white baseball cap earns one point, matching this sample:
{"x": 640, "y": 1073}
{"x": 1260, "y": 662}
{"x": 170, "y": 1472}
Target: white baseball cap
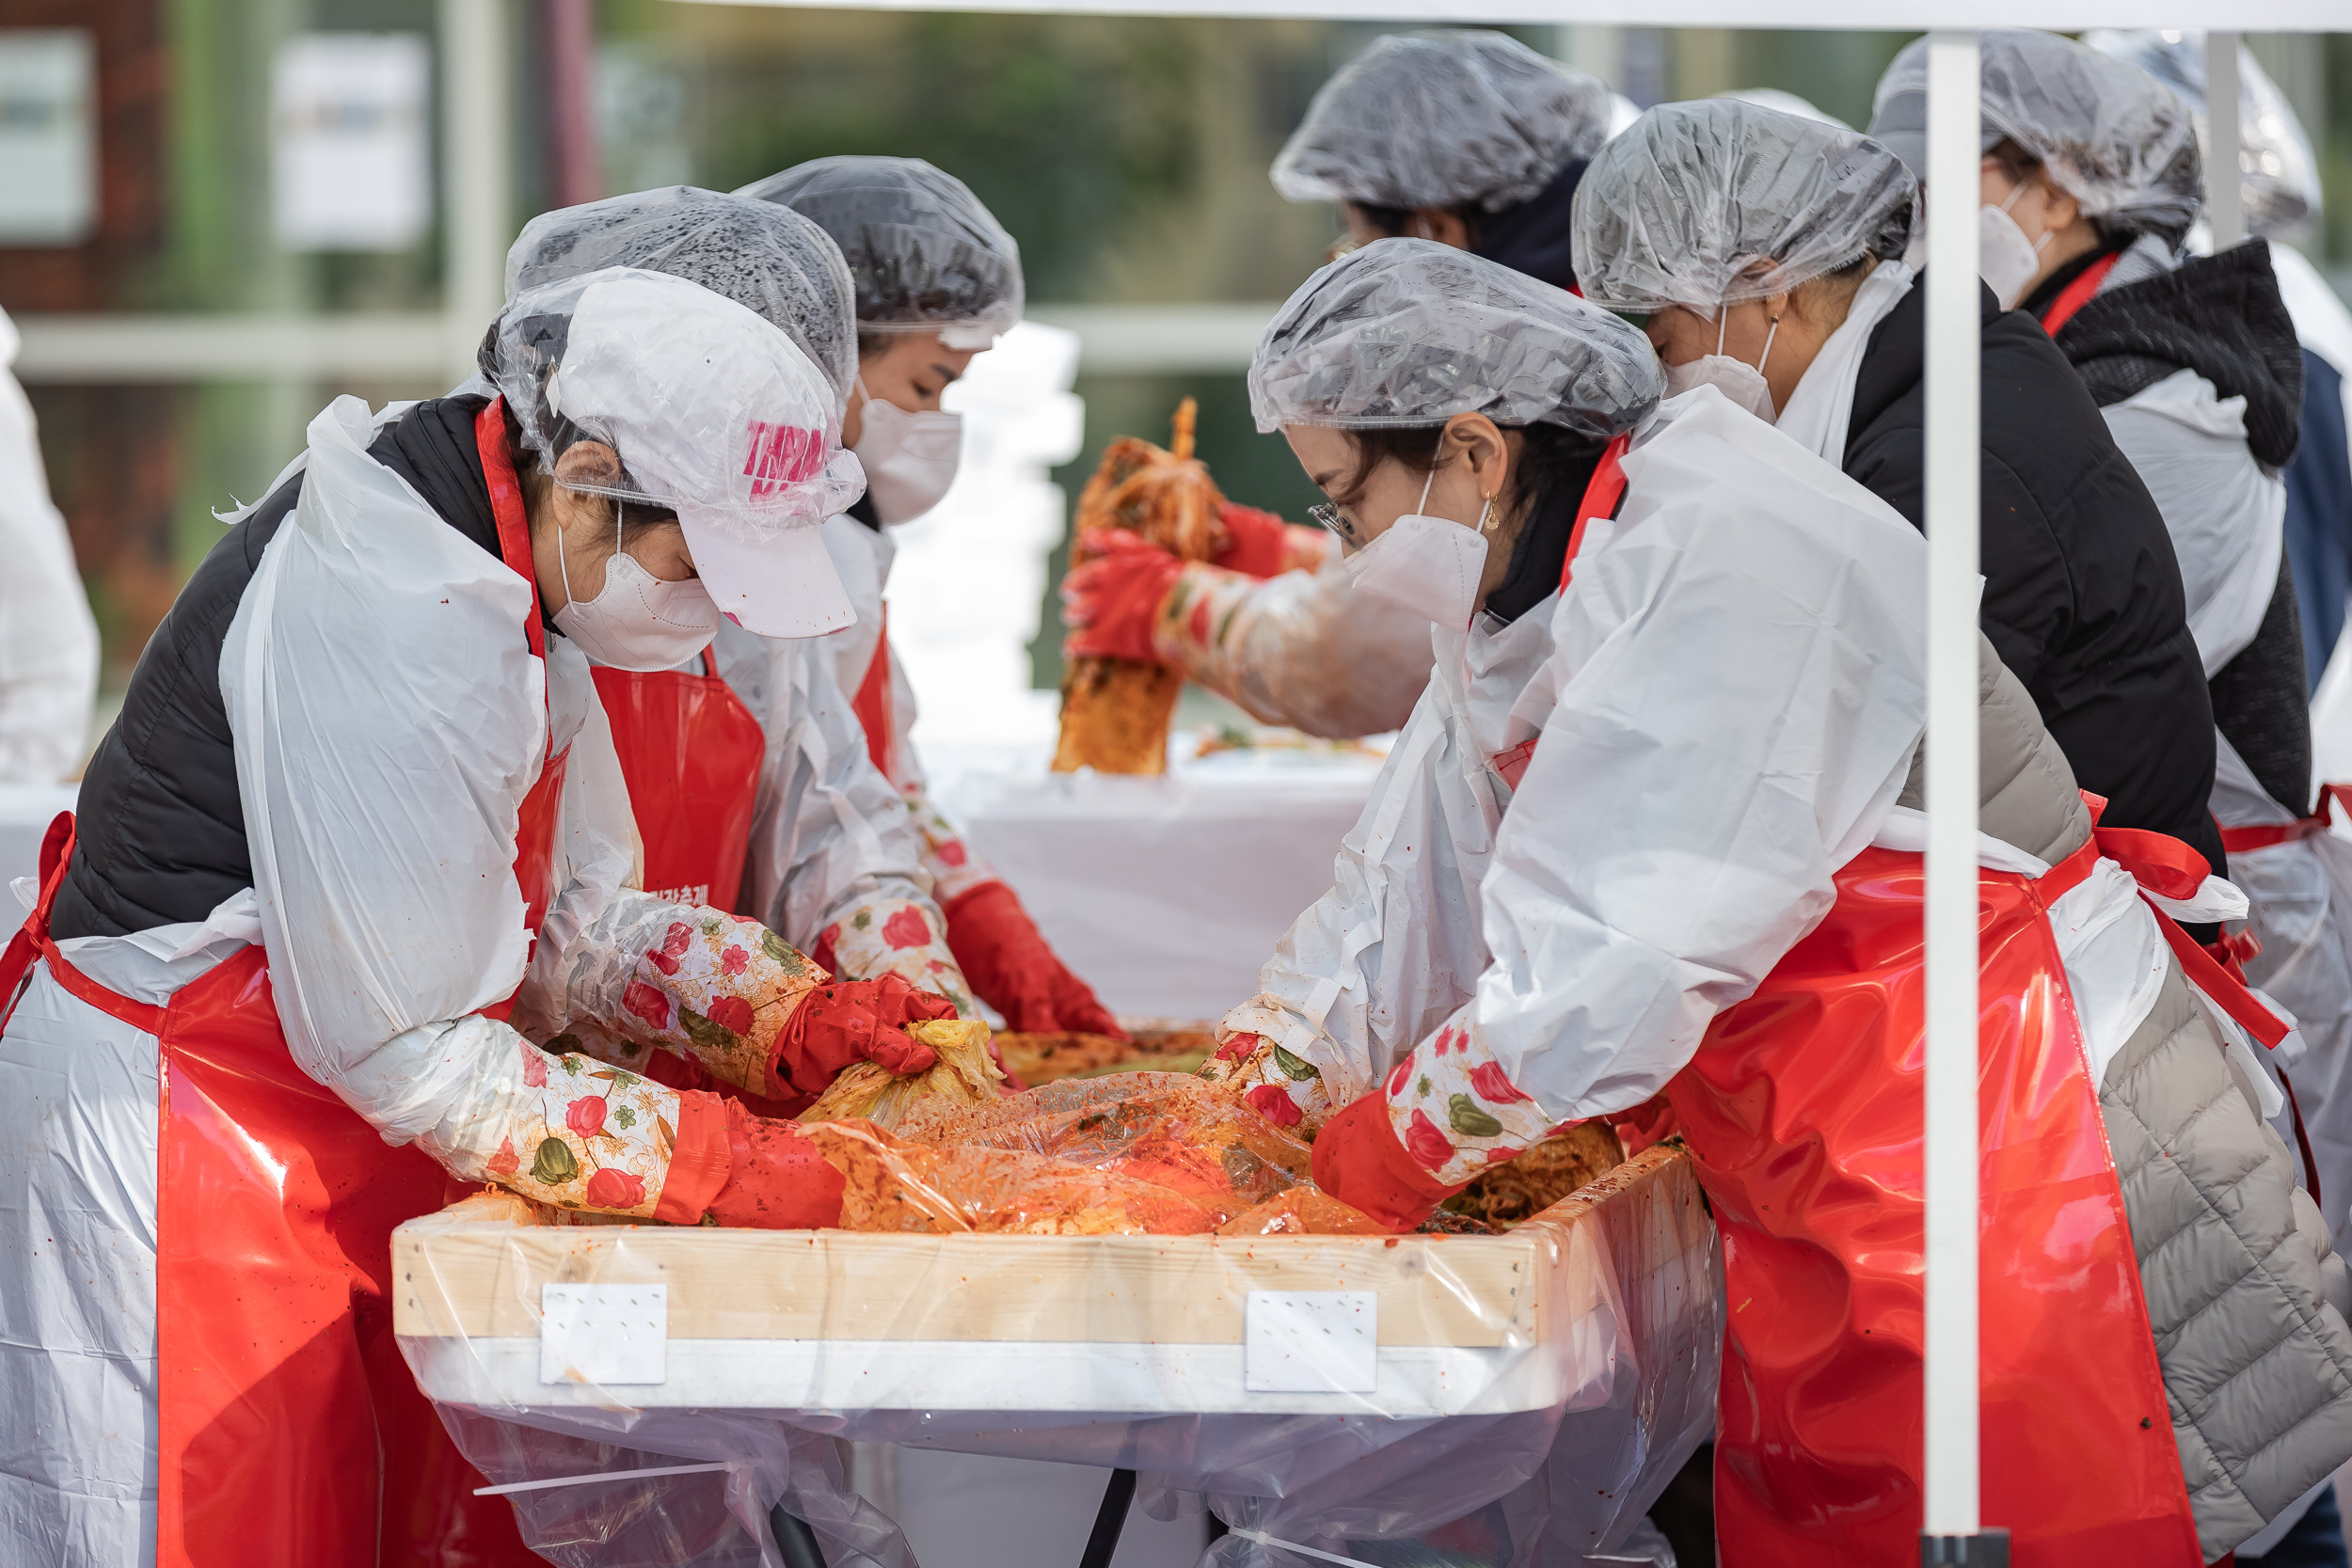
{"x": 717, "y": 416}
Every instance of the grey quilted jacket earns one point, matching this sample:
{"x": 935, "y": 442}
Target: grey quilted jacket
{"x": 2247, "y": 1301}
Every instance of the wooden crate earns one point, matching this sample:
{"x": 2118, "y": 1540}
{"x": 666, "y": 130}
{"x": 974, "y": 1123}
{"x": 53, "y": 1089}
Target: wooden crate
{"x": 781, "y": 1316}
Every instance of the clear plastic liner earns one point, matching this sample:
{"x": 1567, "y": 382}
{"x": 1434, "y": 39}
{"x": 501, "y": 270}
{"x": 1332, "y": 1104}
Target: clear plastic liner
{"x": 1146, "y": 1153}
{"x": 1517, "y": 1399}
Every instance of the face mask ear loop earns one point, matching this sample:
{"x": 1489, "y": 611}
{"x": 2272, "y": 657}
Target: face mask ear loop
{"x": 563, "y": 569}
{"x": 1722, "y": 319}
{"x": 2016, "y": 191}
{"x": 1770, "y": 334}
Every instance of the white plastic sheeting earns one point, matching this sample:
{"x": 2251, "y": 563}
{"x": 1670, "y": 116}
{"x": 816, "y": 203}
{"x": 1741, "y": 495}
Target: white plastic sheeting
{"x": 1728, "y": 696}
{"x": 1537, "y": 1411}
{"x": 2301, "y": 898}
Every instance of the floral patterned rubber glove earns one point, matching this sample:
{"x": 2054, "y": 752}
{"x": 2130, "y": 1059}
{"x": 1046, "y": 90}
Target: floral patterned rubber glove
{"x": 853, "y": 1021}
{"x": 778, "y": 1180}
{"x": 1111, "y": 601}
{"x": 729, "y": 993}
{"x": 1358, "y": 1161}
{"x": 1285, "y": 1088}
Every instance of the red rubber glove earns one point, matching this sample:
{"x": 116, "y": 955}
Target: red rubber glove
{"x": 1110, "y": 602}
{"x": 1255, "y": 541}
{"x": 1005, "y": 957}
{"x": 1358, "y": 1161}
{"x": 778, "y": 1180}
{"x": 853, "y": 1021}
{"x": 1260, "y": 545}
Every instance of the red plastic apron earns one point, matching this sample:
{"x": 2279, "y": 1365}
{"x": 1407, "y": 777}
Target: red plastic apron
{"x": 290, "y": 1428}
{"x": 1803, "y": 1110}
{"x": 690, "y": 752}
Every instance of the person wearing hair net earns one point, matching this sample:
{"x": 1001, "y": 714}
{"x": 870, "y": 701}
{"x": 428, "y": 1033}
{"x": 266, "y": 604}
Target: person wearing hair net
{"x": 1762, "y": 251}
{"x": 2195, "y": 363}
{"x": 747, "y": 770}
{"x": 1464, "y": 137}
{"x": 937, "y": 281}
{"x": 358, "y": 844}
{"x": 2280, "y": 193}
{"x": 1655, "y": 825}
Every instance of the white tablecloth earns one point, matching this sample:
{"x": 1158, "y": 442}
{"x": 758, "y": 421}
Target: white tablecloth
{"x": 1165, "y": 895}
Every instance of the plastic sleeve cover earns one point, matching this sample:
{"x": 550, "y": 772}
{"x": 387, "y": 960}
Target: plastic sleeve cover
{"x": 1302, "y": 649}
{"x": 836, "y": 852}
{"x": 1729, "y": 708}
{"x": 388, "y": 719}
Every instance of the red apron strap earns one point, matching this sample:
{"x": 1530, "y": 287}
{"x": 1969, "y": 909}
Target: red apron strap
{"x": 16, "y": 962}
{"x": 32, "y": 940}
{"x": 2078, "y": 293}
{"x": 2165, "y": 867}
{"x": 2157, "y": 862}
{"x": 2302, "y": 1139}
{"x": 507, "y": 504}
{"x": 2240, "y": 840}
{"x": 1602, "y": 495}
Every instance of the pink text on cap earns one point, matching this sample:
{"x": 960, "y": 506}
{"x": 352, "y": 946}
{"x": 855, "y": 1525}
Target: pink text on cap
{"x": 781, "y": 455}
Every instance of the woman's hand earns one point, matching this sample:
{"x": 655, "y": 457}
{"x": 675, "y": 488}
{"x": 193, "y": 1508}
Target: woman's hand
{"x": 731, "y": 994}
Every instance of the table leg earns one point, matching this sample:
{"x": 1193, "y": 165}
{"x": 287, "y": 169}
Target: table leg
{"x": 797, "y": 1543}
{"x": 1109, "y": 1520}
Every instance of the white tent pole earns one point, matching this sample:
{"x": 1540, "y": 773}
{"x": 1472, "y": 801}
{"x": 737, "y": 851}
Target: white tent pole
{"x": 2225, "y": 201}
{"x": 1952, "y": 181}
{"x": 477, "y": 157}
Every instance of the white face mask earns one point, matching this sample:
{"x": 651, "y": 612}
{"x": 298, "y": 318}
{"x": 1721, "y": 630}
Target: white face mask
{"x": 1743, "y": 383}
{"x": 2007, "y": 260}
{"x": 637, "y": 621}
{"x": 909, "y": 459}
{"x": 1428, "y": 565}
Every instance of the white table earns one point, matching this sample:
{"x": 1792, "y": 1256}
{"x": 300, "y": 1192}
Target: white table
{"x": 1165, "y": 895}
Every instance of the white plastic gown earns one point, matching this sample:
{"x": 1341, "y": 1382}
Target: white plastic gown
{"x": 388, "y": 720}
{"x": 2298, "y": 893}
{"x": 48, "y": 641}
{"x": 834, "y": 852}
{"x": 1300, "y": 648}
{"x": 1728, "y": 696}
{"x": 862, "y": 556}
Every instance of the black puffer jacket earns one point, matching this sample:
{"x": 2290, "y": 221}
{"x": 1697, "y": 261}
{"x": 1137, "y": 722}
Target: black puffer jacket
{"x": 161, "y": 830}
{"x": 2221, "y": 317}
{"x": 2082, "y": 595}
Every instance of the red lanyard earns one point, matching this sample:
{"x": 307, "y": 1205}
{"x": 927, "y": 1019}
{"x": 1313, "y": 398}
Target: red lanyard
{"x": 2077, "y": 293}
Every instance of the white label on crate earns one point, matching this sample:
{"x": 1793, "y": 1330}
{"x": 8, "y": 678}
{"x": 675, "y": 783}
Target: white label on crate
{"x": 604, "y": 1334}
{"x": 1311, "y": 1343}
